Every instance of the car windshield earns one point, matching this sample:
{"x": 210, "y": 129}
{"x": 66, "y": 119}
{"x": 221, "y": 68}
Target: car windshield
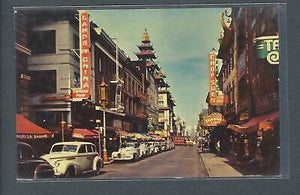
{"x": 131, "y": 145}
{"x": 64, "y": 148}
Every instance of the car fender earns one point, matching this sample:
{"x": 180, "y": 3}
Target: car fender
{"x": 66, "y": 164}
{"x": 96, "y": 159}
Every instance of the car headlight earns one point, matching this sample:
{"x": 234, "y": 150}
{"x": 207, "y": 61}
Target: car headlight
{"x": 57, "y": 163}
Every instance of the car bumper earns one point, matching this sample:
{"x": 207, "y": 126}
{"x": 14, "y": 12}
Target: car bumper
{"x": 122, "y": 157}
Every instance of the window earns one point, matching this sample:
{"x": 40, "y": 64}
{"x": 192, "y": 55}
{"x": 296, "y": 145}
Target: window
{"x": 161, "y": 103}
{"x": 89, "y": 148}
{"x": 42, "y": 82}
{"x": 42, "y": 42}
{"x": 76, "y": 81}
{"x": 100, "y": 65}
{"x": 27, "y": 152}
{"x": 81, "y": 149}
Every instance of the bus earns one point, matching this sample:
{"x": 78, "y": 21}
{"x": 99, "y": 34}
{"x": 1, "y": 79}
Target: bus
{"x": 179, "y": 140}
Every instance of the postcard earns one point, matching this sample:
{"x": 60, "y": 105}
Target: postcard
{"x": 159, "y": 92}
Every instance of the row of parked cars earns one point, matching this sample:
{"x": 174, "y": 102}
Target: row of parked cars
{"x": 69, "y": 159}
{"x": 137, "y": 150}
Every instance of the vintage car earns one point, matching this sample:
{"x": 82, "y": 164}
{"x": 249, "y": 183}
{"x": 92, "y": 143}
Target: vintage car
{"x": 127, "y": 151}
{"x": 30, "y": 166}
{"x": 156, "y": 147}
{"x": 163, "y": 146}
{"x": 151, "y": 148}
{"x": 70, "y": 159}
{"x": 144, "y": 149}
{"x": 168, "y": 145}
{"x": 189, "y": 143}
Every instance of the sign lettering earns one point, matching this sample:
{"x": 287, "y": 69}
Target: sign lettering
{"x": 85, "y": 62}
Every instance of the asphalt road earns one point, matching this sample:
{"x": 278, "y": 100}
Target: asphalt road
{"x": 183, "y": 161}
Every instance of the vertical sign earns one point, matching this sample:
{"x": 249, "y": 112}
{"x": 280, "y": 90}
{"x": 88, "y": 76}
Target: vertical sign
{"x": 84, "y": 91}
{"x": 212, "y": 78}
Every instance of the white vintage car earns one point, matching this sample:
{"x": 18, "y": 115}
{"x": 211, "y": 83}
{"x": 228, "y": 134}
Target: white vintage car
{"x": 156, "y": 147}
{"x": 163, "y": 146}
{"x": 70, "y": 159}
{"x": 127, "y": 151}
{"x": 144, "y": 149}
{"x": 151, "y": 148}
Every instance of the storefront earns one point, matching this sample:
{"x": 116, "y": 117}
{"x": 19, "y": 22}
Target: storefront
{"x": 258, "y": 138}
{"x": 39, "y": 138}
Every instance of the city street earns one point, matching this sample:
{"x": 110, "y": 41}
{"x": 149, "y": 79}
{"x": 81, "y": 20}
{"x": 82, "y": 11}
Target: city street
{"x": 183, "y": 161}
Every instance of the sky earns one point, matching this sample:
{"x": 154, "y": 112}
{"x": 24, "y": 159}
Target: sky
{"x": 182, "y": 39}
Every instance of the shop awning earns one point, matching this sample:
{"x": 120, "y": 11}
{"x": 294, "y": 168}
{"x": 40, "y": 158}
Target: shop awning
{"x": 25, "y": 129}
{"x": 84, "y": 134}
{"x": 255, "y": 123}
{"x": 157, "y": 138}
{"x": 122, "y": 133}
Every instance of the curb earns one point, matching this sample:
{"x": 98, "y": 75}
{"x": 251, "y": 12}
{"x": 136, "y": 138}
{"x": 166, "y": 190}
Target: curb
{"x": 205, "y": 166}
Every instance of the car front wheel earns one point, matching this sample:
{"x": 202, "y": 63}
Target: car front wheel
{"x": 98, "y": 168}
{"x": 70, "y": 172}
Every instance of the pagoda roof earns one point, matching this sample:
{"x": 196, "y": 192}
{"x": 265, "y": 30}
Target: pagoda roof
{"x": 146, "y": 54}
{"x": 145, "y": 46}
{"x": 151, "y": 64}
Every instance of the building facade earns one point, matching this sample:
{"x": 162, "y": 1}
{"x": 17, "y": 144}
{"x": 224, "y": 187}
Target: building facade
{"x": 22, "y": 54}
{"x": 53, "y": 65}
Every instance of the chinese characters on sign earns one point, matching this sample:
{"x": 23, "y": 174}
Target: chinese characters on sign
{"x": 85, "y": 62}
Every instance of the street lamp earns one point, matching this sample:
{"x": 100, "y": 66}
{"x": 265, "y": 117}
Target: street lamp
{"x": 103, "y": 102}
{"x": 99, "y": 135}
{"x": 63, "y": 124}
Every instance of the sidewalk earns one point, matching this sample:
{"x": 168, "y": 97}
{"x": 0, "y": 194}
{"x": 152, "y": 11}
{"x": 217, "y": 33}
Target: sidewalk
{"x": 217, "y": 166}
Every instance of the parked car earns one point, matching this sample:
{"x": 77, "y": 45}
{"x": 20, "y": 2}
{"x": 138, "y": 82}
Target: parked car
{"x": 157, "y": 147}
{"x": 151, "y": 148}
{"x": 169, "y": 145}
{"x": 172, "y": 145}
{"x": 127, "y": 151}
{"x": 30, "y": 166}
{"x": 70, "y": 159}
{"x": 162, "y": 146}
{"x": 144, "y": 149}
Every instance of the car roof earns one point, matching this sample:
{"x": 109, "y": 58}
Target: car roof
{"x": 73, "y": 143}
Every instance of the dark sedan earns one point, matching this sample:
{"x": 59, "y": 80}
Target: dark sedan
{"x": 30, "y": 166}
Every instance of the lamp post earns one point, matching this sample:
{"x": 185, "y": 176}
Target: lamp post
{"x": 99, "y": 135}
{"x": 63, "y": 124}
{"x": 104, "y": 101}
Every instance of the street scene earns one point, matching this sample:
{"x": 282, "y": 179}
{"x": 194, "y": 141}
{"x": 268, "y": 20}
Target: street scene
{"x": 147, "y": 93}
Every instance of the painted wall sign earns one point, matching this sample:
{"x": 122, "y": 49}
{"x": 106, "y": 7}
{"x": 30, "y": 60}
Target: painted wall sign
{"x": 267, "y": 47}
{"x": 85, "y": 62}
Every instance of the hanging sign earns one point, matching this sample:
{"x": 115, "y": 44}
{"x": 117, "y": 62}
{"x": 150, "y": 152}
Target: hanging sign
{"x": 267, "y": 47}
{"x": 214, "y": 119}
{"x": 212, "y": 78}
{"x": 84, "y": 91}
